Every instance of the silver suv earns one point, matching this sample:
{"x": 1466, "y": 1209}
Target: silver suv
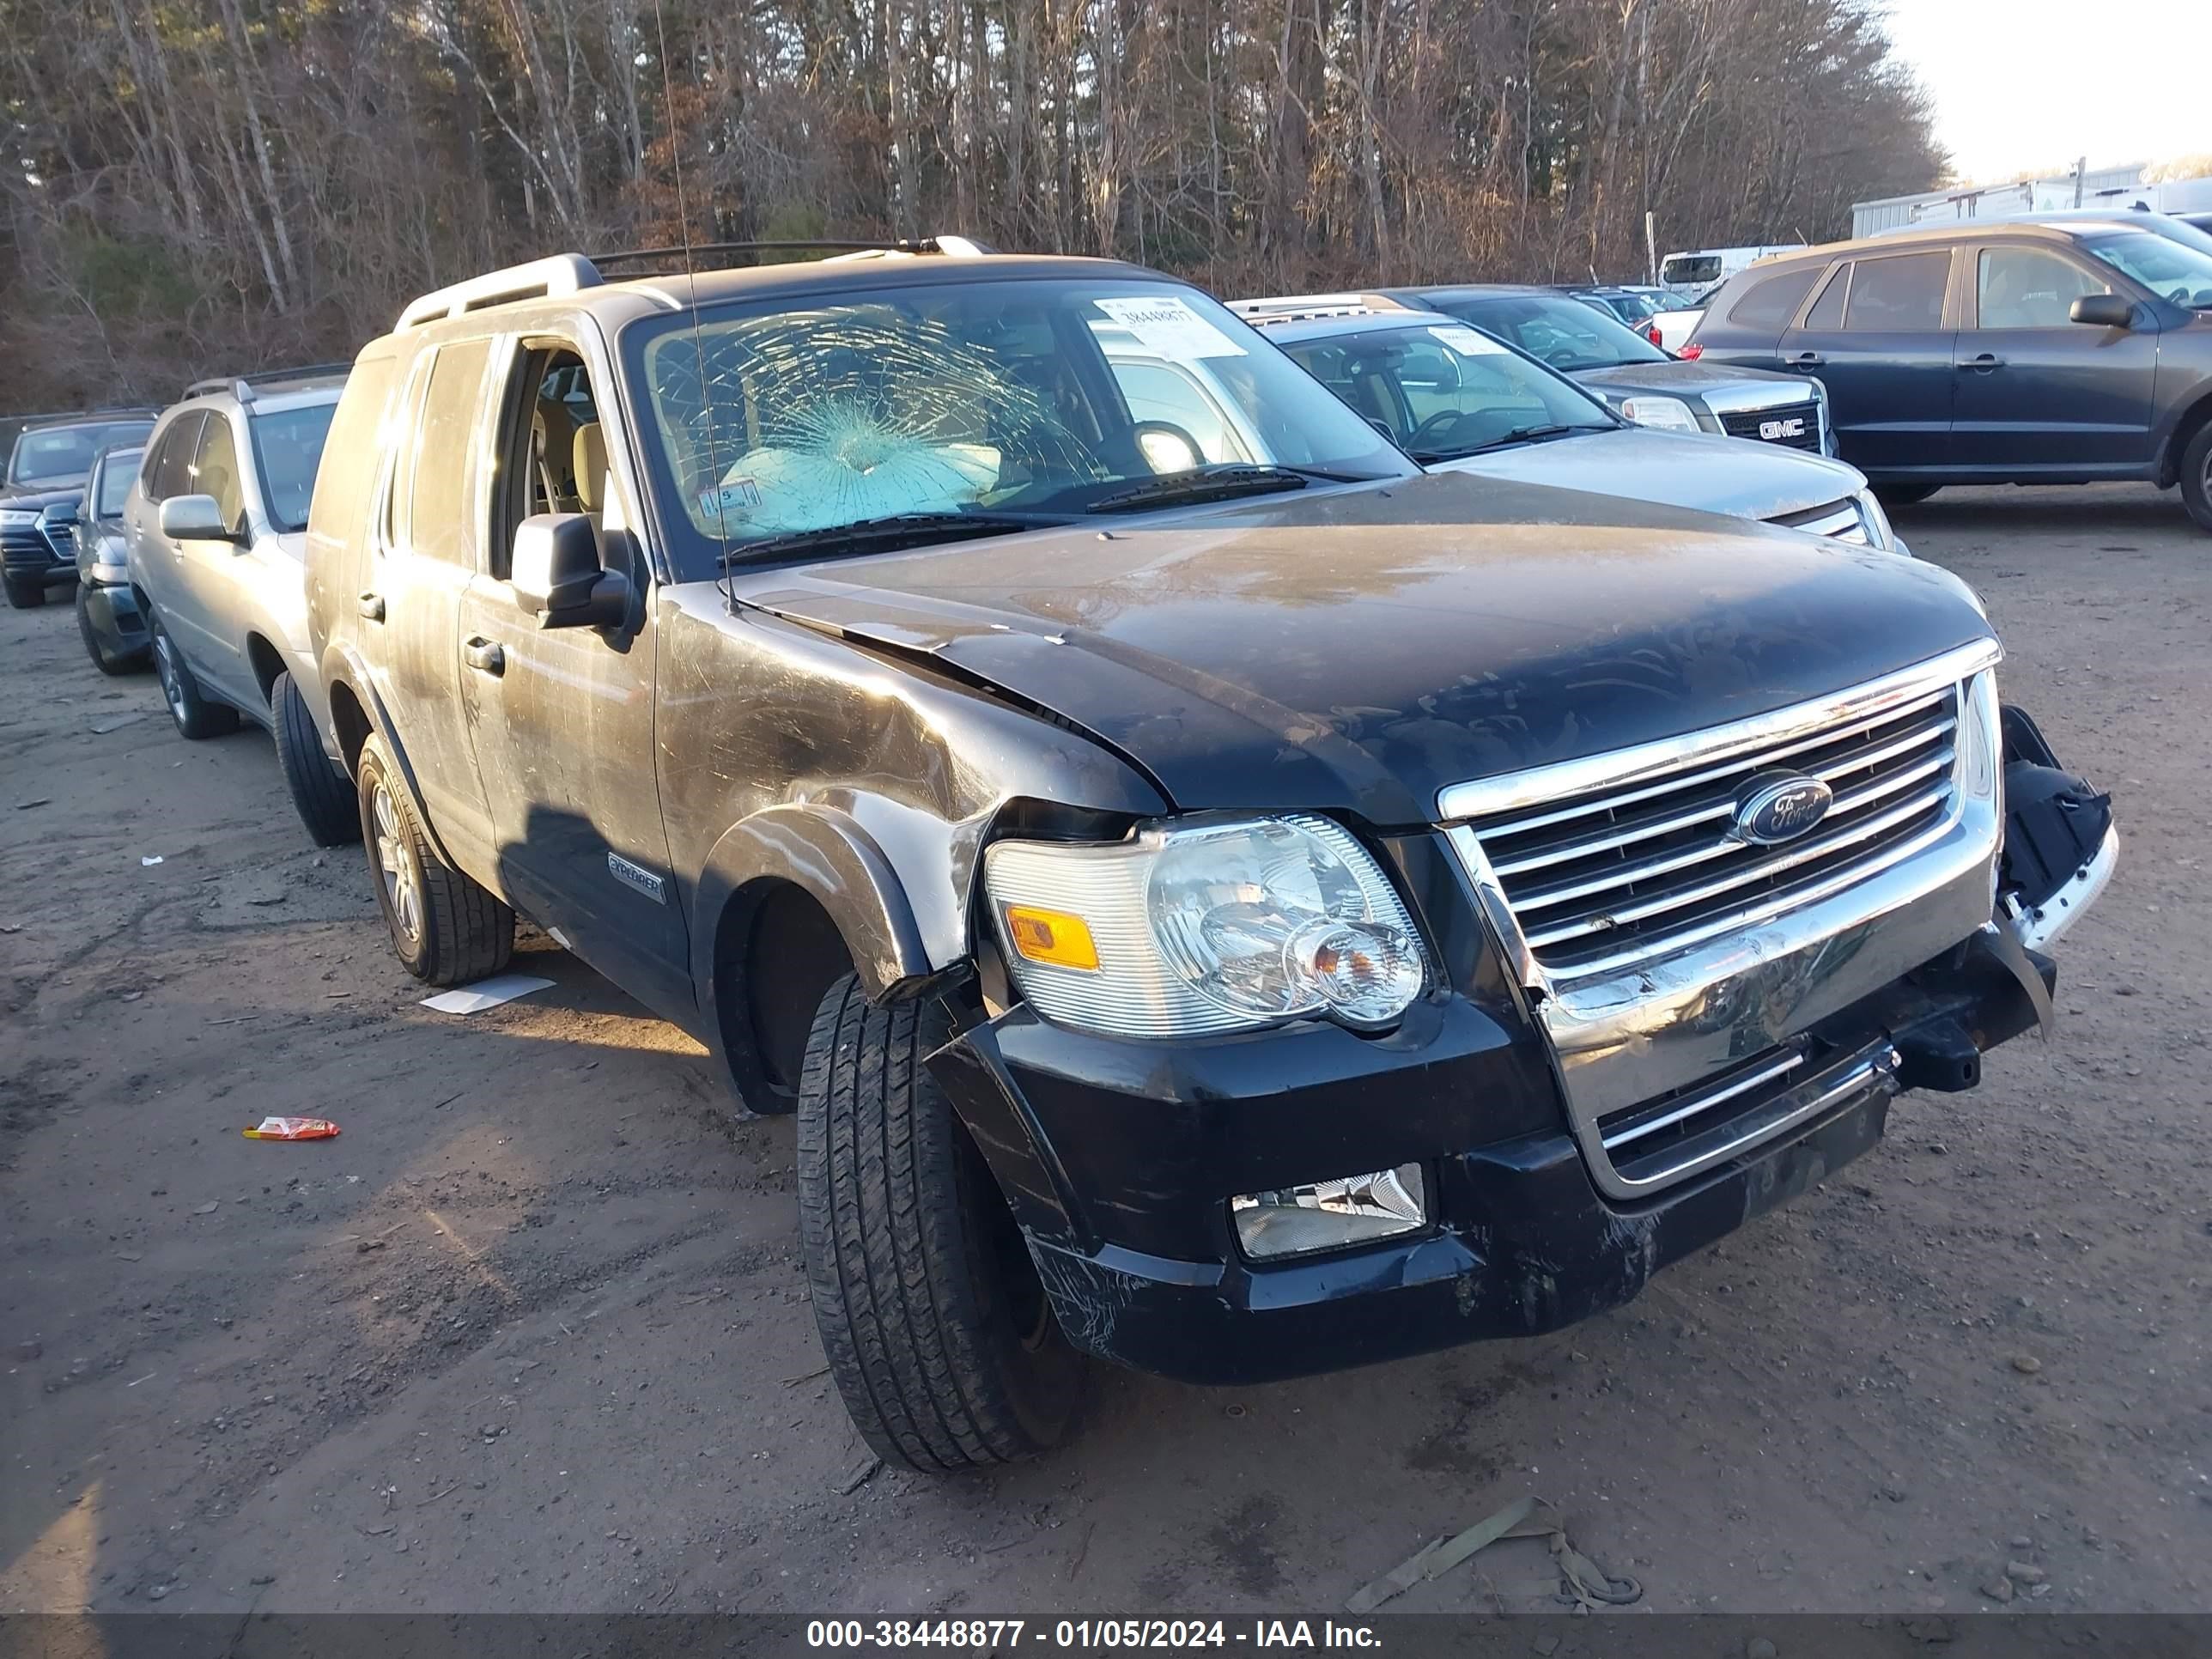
{"x": 215, "y": 528}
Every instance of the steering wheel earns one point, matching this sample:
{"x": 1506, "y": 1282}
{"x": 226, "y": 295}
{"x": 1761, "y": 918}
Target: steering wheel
{"x": 1562, "y": 358}
{"x": 2180, "y": 295}
{"x": 1437, "y": 424}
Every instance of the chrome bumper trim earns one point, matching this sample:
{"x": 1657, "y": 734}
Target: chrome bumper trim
{"x": 1868, "y": 1070}
{"x": 1622, "y": 1033}
{"x": 2050, "y": 921}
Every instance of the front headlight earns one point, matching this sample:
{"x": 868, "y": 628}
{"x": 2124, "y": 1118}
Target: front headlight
{"x": 1875, "y": 522}
{"x": 1669, "y": 413}
{"x": 14, "y": 519}
{"x": 1185, "y": 930}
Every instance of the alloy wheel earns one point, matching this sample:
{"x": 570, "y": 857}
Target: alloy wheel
{"x": 402, "y": 890}
{"x": 165, "y": 661}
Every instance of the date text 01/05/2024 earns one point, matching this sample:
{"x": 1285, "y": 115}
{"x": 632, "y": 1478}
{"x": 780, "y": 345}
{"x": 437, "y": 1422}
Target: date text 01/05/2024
{"x": 993, "y": 1634}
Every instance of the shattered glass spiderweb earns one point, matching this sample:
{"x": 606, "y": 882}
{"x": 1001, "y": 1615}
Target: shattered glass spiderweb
{"x": 805, "y": 420}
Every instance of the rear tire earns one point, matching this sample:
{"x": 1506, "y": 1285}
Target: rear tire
{"x": 446, "y": 929}
{"x": 1904, "y": 495}
{"x": 2197, "y": 476}
{"x": 26, "y": 595}
{"x": 934, "y": 1323}
{"x": 324, "y": 796}
{"x": 196, "y": 714}
{"x": 106, "y": 661}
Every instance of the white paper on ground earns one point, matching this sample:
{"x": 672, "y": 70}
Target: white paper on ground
{"x": 147, "y": 863}
{"x": 485, "y": 993}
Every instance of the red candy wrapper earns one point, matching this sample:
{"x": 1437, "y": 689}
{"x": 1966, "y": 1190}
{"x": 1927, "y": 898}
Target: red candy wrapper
{"x": 292, "y": 1128}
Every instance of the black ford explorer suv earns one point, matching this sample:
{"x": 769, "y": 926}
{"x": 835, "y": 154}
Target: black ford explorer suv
{"x": 1235, "y": 919}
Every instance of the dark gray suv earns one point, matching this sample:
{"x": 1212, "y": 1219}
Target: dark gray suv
{"x": 2075, "y": 350}
{"x": 1237, "y": 915}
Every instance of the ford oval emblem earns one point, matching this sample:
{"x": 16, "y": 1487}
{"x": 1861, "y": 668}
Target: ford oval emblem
{"x": 1778, "y": 809}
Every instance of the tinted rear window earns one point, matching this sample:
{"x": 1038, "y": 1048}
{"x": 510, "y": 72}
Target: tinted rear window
{"x": 1899, "y": 295}
{"x": 350, "y": 452}
{"x": 1773, "y": 301}
{"x": 439, "y": 523}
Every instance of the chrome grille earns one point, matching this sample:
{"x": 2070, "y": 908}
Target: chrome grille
{"x": 1839, "y": 520}
{"x": 1600, "y": 881}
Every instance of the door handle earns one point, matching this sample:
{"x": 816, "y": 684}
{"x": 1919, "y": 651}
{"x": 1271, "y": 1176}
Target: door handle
{"x": 1808, "y": 360}
{"x": 1987, "y": 360}
{"x": 485, "y": 655}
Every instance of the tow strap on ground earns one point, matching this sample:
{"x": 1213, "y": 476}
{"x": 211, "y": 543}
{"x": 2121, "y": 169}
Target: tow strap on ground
{"x": 1580, "y": 1577}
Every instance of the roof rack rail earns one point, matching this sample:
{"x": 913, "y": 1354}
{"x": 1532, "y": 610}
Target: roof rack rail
{"x": 243, "y": 387}
{"x": 63, "y": 417}
{"x": 541, "y": 279}
{"x": 678, "y": 259}
{"x": 1306, "y": 307}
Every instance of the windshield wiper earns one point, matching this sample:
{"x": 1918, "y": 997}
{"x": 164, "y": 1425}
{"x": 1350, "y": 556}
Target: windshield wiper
{"x": 1211, "y": 484}
{"x": 1529, "y": 435}
{"x": 887, "y": 534}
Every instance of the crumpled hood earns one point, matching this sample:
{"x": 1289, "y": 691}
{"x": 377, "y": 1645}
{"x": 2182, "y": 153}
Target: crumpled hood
{"x": 1699, "y": 380}
{"x": 1718, "y": 474}
{"x": 1359, "y": 650}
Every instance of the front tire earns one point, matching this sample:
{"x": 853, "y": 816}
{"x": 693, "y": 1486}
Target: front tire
{"x": 2197, "y": 476}
{"x": 106, "y": 661}
{"x": 26, "y": 595}
{"x": 196, "y": 714}
{"x": 322, "y": 793}
{"x": 935, "y": 1325}
{"x": 445, "y": 929}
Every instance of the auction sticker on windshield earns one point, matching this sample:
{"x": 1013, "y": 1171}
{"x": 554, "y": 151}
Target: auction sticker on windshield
{"x": 1170, "y": 327}
{"x": 1469, "y": 343}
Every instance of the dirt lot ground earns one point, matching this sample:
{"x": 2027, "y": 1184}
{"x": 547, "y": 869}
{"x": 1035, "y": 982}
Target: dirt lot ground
{"x": 532, "y": 1333}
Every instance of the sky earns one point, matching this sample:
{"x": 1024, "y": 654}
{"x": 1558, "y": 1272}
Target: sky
{"x": 2029, "y": 85}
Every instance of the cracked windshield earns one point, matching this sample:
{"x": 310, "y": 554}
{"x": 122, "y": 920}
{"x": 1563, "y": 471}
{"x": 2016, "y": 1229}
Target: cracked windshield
{"x": 938, "y": 412}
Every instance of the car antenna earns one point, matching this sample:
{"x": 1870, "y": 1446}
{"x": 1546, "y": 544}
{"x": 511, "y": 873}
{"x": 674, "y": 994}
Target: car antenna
{"x": 723, "y": 580}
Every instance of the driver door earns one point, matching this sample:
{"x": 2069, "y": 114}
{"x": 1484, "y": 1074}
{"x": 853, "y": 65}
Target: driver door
{"x": 2039, "y": 393}
{"x": 561, "y": 719}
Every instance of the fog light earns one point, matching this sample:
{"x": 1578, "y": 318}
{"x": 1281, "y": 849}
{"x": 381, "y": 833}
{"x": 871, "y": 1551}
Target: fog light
{"x": 1328, "y": 1215}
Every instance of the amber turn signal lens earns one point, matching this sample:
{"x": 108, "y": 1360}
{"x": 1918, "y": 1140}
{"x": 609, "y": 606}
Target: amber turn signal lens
{"x": 1050, "y": 936}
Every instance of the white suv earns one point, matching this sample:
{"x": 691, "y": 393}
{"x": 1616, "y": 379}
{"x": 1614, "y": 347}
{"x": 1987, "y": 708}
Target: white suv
{"x": 215, "y": 527}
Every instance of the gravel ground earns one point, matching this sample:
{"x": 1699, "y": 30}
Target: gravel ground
{"x": 532, "y": 1333}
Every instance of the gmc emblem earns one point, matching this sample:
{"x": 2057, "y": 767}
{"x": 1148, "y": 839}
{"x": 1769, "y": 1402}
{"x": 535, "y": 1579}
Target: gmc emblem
{"x": 1775, "y": 431}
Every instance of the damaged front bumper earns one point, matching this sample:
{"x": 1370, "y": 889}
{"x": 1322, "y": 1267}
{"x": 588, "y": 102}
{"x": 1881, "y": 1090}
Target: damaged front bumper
{"x": 1120, "y": 1159}
{"x": 1519, "y": 1239}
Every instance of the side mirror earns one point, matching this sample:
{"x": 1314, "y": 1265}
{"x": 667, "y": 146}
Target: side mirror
{"x": 2103, "y": 310}
{"x": 558, "y": 575}
{"x": 194, "y": 518}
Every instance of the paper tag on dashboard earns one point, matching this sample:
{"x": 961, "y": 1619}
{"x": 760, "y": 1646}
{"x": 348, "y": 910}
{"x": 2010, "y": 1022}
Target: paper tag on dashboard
{"x": 737, "y": 499}
{"x": 1468, "y": 341}
{"x": 1170, "y": 327}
